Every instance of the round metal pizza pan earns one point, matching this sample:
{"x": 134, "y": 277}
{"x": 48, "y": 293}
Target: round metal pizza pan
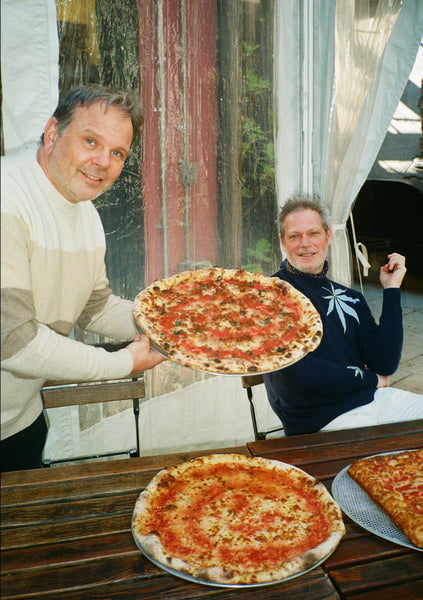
{"x": 359, "y": 507}
{"x": 155, "y": 346}
{"x": 188, "y": 577}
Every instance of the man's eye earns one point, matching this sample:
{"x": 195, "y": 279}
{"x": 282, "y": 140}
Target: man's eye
{"x": 117, "y": 153}
{"x": 90, "y": 141}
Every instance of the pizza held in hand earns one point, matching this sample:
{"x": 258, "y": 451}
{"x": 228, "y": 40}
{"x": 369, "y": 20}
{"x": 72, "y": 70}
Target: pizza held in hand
{"x": 228, "y": 320}
{"x": 232, "y": 519}
{"x": 395, "y": 483}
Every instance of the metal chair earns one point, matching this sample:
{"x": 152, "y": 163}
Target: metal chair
{"x": 248, "y": 382}
{"x": 56, "y": 394}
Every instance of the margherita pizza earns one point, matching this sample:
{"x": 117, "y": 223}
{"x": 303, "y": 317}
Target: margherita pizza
{"x": 228, "y": 320}
{"x": 395, "y": 483}
{"x": 232, "y": 519}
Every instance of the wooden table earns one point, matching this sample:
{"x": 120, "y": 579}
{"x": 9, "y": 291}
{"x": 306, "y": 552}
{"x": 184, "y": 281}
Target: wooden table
{"x": 66, "y": 531}
{"x": 364, "y": 566}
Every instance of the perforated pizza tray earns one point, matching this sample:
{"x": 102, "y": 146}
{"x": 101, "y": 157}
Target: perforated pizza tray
{"x": 188, "y": 577}
{"x": 358, "y": 505}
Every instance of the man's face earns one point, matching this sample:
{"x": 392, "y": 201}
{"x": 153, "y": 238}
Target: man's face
{"x": 87, "y": 159}
{"x": 305, "y": 242}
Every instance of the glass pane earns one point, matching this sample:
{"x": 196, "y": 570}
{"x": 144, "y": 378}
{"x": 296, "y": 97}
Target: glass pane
{"x": 247, "y": 199}
{"x": 201, "y": 192}
{"x": 99, "y": 44}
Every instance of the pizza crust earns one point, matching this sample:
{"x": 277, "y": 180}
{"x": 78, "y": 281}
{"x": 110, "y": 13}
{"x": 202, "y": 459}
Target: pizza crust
{"x": 254, "y": 531}
{"x": 234, "y": 322}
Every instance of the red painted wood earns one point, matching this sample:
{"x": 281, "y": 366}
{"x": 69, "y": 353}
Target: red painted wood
{"x": 202, "y": 128}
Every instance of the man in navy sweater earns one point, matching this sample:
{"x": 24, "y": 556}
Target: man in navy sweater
{"x": 345, "y": 381}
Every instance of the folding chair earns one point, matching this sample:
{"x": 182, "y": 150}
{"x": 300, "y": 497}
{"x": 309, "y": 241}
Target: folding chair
{"x": 248, "y": 382}
{"x": 56, "y": 394}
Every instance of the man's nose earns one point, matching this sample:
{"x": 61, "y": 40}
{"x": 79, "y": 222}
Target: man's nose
{"x": 102, "y": 159}
{"x": 305, "y": 239}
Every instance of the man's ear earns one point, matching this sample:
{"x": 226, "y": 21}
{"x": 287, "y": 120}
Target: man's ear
{"x": 281, "y": 241}
{"x": 329, "y": 234}
{"x": 50, "y": 134}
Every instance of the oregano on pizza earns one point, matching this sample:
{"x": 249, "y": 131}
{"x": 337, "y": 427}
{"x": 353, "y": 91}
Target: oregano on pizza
{"x": 228, "y": 320}
{"x": 395, "y": 483}
{"x": 233, "y": 519}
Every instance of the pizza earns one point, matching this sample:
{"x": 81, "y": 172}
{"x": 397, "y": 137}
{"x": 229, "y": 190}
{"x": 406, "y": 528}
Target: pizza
{"x": 228, "y": 320}
{"x": 231, "y": 519}
{"x": 395, "y": 483}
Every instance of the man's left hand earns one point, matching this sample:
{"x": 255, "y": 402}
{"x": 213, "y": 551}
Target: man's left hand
{"x": 392, "y": 274}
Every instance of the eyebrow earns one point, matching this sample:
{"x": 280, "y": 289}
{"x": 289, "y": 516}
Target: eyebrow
{"x": 310, "y": 230}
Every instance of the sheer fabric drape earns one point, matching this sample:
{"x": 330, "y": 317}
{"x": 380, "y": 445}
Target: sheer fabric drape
{"x": 29, "y": 69}
{"x": 362, "y": 58}
{"x": 374, "y": 55}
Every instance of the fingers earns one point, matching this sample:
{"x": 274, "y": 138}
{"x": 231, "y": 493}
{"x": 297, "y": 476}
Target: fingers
{"x": 144, "y": 357}
{"x": 395, "y": 261}
{"x": 280, "y": 283}
{"x": 392, "y": 274}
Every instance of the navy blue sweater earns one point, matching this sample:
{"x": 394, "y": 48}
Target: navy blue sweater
{"x": 341, "y": 373}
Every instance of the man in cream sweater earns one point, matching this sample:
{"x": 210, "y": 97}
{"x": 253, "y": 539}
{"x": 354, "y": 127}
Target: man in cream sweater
{"x": 53, "y": 272}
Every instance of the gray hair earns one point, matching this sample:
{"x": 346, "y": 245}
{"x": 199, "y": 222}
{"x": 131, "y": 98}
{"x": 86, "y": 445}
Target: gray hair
{"x": 85, "y": 95}
{"x": 298, "y": 203}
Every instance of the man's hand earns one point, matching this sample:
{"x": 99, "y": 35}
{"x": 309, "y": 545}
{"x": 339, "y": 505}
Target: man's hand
{"x": 144, "y": 357}
{"x": 382, "y": 381}
{"x": 392, "y": 274}
{"x": 282, "y": 284}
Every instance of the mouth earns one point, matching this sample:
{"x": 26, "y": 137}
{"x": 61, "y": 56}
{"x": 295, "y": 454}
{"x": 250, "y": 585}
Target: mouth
{"x": 92, "y": 179}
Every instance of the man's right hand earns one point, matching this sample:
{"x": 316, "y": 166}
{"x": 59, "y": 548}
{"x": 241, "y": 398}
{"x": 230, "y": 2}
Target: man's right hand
{"x": 143, "y": 356}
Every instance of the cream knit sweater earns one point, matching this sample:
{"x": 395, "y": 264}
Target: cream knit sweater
{"x": 52, "y": 276}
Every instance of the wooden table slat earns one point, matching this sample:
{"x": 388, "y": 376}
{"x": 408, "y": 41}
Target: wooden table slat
{"x": 404, "y": 591}
{"x": 371, "y": 546}
{"x": 114, "y": 476}
{"x": 37, "y": 535}
{"x": 33, "y": 514}
{"x": 90, "y": 470}
{"x": 68, "y": 552}
{"x": 339, "y": 457}
{"x": 379, "y": 574}
{"x": 332, "y": 438}
{"x": 335, "y": 452}
{"x": 118, "y": 484}
{"x": 131, "y": 577}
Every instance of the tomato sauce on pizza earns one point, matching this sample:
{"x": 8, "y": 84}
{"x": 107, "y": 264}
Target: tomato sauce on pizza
{"x": 234, "y": 519}
{"x": 395, "y": 483}
{"x": 228, "y": 320}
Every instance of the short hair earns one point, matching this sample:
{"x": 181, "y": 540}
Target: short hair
{"x": 299, "y": 203}
{"x": 87, "y": 94}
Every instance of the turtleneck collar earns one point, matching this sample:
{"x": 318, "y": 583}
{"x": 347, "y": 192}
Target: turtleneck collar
{"x": 290, "y": 269}
{"x": 52, "y": 194}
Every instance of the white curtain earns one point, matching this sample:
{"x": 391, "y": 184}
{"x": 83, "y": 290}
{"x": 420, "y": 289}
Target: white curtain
{"x": 361, "y": 63}
{"x": 29, "y": 69}
{"x": 374, "y": 55}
